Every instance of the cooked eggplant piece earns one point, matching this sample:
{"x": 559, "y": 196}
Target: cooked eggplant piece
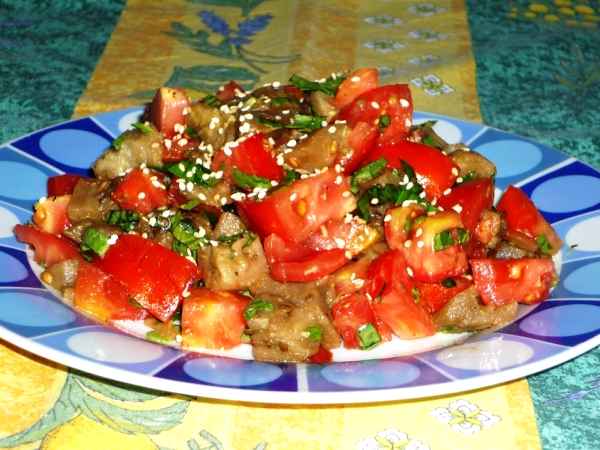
{"x": 90, "y": 200}
{"x": 472, "y": 164}
{"x": 212, "y": 125}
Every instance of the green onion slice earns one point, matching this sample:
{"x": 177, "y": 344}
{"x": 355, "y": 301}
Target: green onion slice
{"x": 368, "y": 337}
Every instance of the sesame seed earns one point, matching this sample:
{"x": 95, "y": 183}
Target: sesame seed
{"x": 285, "y": 112}
{"x": 355, "y": 79}
{"x": 271, "y": 141}
{"x": 112, "y": 239}
{"x": 406, "y": 203}
{"x": 155, "y": 145}
{"x": 455, "y": 171}
{"x": 457, "y": 208}
{"x": 179, "y": 128}
{"x": 338, "y": 168}
{"x": 245, "y": 128}
{"x": 262, "y": 194}
{"x": 422, "y": 195}
{"x": 387, "y": 218}
{"x": 145, "y": 235}
{"x": 202, "y": 196}
{"x": 339, "y": 179}
{"x": 408, "y": 123}
{"x": 179, "y": 339}
{"x": 221, "y": 131}
{"x": 293, "y": 197}
{"x": 348, "y": 218}
{"x": 152, "y": 221}
{"x": 409, "y": 271}
{"x": 238, "y": 196}
{"x": 447, "y": 191}
{"x": 292, "y": 143}
{"x": 168, "y": 143}
{"x": 408, "y": 243}
{"x": 348, "y": 254}
{"x": 340, "y": 242}
{"x": 346, "y": 194}
{"x": 227, "y": 151}
{"x": 419, "y": 232}
{"x": 223, "y": 201}
{"x": 332, "y": 129}
{"x": 459, "y": 180}
{"x": 249, "y": 116}
{"x": 323, "y": 123}
{"x": 279, "y": 160}
{"x": 404, "y": 103}
{"x": 420, "y": 244}
{"x": 189, "y": 186}
{"x": 410, "y": 185}
{"x": 276, "y": 84}
{"x": 375, "y": 105}
{"x": 274, "y": 183}
{"x": 142, "y": 195}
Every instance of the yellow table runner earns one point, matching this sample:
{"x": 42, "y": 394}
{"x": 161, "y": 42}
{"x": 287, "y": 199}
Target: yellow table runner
{"x": 192, "y": 43}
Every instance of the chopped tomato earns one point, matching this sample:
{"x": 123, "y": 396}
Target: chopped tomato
{"x": 361, "y": 140}
{"x": 138, "y": 192}
{"x": 49, "y": 249}
{"x": 426, "y": 263}
{"x": 358, "y": 82}
{"x": 430, "y": 163}
{"x": 310, "y": 268}
{"x": 168, "y": 108}
{"x": 178, "y": 149}
{"x": 51, "y": 214}
{"x": 523, "y": 217}
{"x": 407, "y": 320}
{"x": 62, "y": 184}
{"x": 104, "y": 298}
{"x": 354, "y": 236}
{"x": 278, "y": 250}
{"x": 351, "y": 277}
{"x": 252, "y": 156}
{"x": 387, "y": 271}
{"x": 393, "y": 101}
{"x": 212, "y": 319}
{"x": 321, "y": 357}
{"x": 154, "y": 276}
{"x": 434, "y": 296}
{"x": 296, "y": 211}
{"x": 227, "y": 92}
{"x": 397, "y": 228}
{"x": 502, "y": 281}
{"x": 350, "y": 313}
{"x": 472, "y": 197}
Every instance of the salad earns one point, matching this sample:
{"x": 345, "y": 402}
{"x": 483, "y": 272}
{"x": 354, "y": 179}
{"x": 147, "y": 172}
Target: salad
{"x": 296, "y": 218}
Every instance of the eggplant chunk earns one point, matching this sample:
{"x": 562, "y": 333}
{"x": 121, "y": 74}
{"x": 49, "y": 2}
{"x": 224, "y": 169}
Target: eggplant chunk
{"x": 471, "y": 163}
{"x": 214, "y": 126}
{"x": 90, "y": 200}
{"x": 136, "y": 148}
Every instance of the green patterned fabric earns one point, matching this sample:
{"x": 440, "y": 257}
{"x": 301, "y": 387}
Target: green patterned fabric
{"x": 48, "y": 50}
{"x": 547, "y": 88}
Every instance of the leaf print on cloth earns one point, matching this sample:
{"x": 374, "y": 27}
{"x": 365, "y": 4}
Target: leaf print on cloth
{"x": 384, "y": 20}
{"x": 89, "y": 408}
{"x": 425, "y": 9}
{"x": 432, "y": 85}
{"x": 465, "y": 417}
{"x": 428, "y": 35}
{"x": 391, "y": 439}
{"x": 384, "y": 45}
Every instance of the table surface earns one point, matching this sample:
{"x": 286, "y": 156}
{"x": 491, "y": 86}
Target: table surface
{"x": 537, "y": 74}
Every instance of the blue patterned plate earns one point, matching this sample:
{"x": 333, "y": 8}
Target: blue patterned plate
{"x": 568, "y": 324}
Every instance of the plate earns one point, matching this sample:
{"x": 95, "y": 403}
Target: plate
{"x": 568, "y": 324}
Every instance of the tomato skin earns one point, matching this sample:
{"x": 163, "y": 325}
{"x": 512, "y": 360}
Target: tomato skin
{"x": 434, "y": 296}
{"x": 252, "y": 156}
{"x": 62, "y": 184}
{"x": 397, "y": 229}
{"x": 364, "y": 80}
{"x": 361, "y": 140}
{"x": 322, "y": 356}
{"x": 349, "y": 313}
{"x": 51, "y": 214}
{"x": 136, "y": 192}
{"x": 177, "y": 152}
{"x": 49, "y": 248}
{"x": 435, "y": 167}
{"x": 154, "y": 276}
{"x": 101, "y": 296}
{"x": 503, "y": 281}
{"x": 296, "y": 211}
{"x": 523, "y": 217}
{"x": 394, "y": 101}
{"x": 213, "y": 319}
{"x": 343, "y": 278}
{"x": 427, "y": 264}
{"x": 310, "y": 268}
{"x": 278, "y": 250}
{"x": 473, "y": 197}
{"x": 167, "y": 109}
{"x": 226, "y": 93}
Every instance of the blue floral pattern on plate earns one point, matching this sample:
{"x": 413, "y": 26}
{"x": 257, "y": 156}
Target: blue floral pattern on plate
{"x": 568, "y": 324}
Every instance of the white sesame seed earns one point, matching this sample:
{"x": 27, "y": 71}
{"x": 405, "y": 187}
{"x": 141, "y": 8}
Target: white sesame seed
{"x": 276, "y": 84}
{"x": 338, "y": 168}
{"x": 459, "y": 180}
{"x": 112, "y": 239}
{"x": 339, "y": 179}
{"x": 387, "y": 218}
{"x": 292, "y": 143}
{"x": 455, "y": 171}
{"x": 245, "y": 128}
{"x": 179, "y": 128}
{"x": 223, "y": 201}
{"x": 422, "y": 195}
{"x": 271, "y": 141}
{"x": 457, "y": 208}
{"x": 404, "y": 103}
{"x": 262, "y": 194}
{"x": 249, "y": 116}
{"x": 355, "y": 79}
{"x": 348, "y": 218}
{"x": 323, "y": 123}
{"x": 410, "y": 185}
{"x": 409, "y": 271}
{"x": 293, "y": 197}
{"x": 227, "y": 151}
{"x": 420, "y": 244}
{"x": 279, "y": 160}
{"x": 168, "y": 143}
{"x": 221, "y": 131}
{"x": 375, "y": 105}
{"x": 274, "y": 183}
{"x": 340, "y": 243}
{"x": 285, "y": 112}
{"x": 152, "y": 221}
{"x": 346, "y": 194}
{"x": 447, "y": 191}
{"x": 348, "y": 254}
{"x": 155, "y": 145}
{"x": 419, "y": 232}
{"x": 238, "y": 196}
{"x": 189, "y": 186}
{"x": 202, "y": 196}
{"x": 408, "y": 123}
{"x": 145, "y": 235}
{"x": 142, "y": 195}
{"x": 408, "y": 243}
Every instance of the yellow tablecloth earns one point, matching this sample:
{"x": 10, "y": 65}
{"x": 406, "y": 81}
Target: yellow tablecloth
{"x": 191, "y": 43}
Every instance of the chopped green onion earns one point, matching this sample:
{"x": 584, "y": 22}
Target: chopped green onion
{"x": 429, "y": 141}
{"x": 443, "y": 240}
{"x": 250, "y": 238}
{"x": 471, "y": 175}
{"x": 280, "y": 101}
{"x": 409, "y": 171}
{"x": 305, "y": 122}
{"x": 329, "y": 86}
{"x": 268, "y": 122}
{"x": 191, "y": 132}
{"x": 95, "y": 240}
{"x": 118, "y": 142}
{"x": 315, "y": 333}
{"x": 184, "y": 231}
{"x": 290, "y": 177}
{"x": 196, "y": 173}
{"x": 125, "y": 220}
{"x": 230, "y": 238}
{"x": 247, "y": 181}
{"x": 451, "y": 329}
{"x": 190, "y": 204}
{"x": 367, "y": 173}
{"x": 416, "y": 294}
{"x": 186, "y": 238}
{"x": 543, "y": 244}
{"x": 448, "y": 283}
{"x": 408, "y": 224}
{"x": 368, "y": 336}
{"x": 256, "y": 306}
{"x": 463, "y": 236}
{"x": 211, "y": 100}
{"x": 143, "y": 127}
{"x": 156, "y": 336}
{"x": 384, "y": 122}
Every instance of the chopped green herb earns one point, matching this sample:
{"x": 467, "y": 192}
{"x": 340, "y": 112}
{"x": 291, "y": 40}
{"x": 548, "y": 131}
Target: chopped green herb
{"x": 543, "y": 244}
{"x": 408, "y": 224}
{"x": 428, "y": 140}
{"x": 94, "y": 240}
{"x": 443, "y": 240}
{"x": 118, "y": 142}
{"x": 416, "y": 294}
{"x": 268, "y": 122}
{"x": 211, "y": 100}
{"x": 462, "y": 235}
{"x": 124, "y": 219}
{"x": 409, "y": 171}
{"x": 305, "y": 122}
{"x": 315, "y": 333}
{"x": 191, "y": 132}
{"x": 190, "y": 171}
{"x": 451, "y": 329}
{"x": 256, "y": 306}
{"x": 329, "y": 86}
{"x": 247, "y": 181}
{"x": 143, "y": 127}
{"x": 448, "y": 283}
{"x": 250, "y": 238}
{"x": 290, "y": 177}
{"x": 384, "y": 122}
{"x": 187, "y": 239}
{"x": 280, "y": 101}
{"x": 367, "y": 173}
{"x": 368, "y": 336}
{"x": 156, "y": 336}
{"x": 229, "y": 239}
{"x": 471, "y": 175}
{"x": 190, "y": 204}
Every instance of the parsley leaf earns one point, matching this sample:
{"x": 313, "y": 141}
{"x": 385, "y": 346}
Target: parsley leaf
{"x": 247, "y": 181}
{"x": 367, "y": 173}
{"x": 329, "y": 86}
